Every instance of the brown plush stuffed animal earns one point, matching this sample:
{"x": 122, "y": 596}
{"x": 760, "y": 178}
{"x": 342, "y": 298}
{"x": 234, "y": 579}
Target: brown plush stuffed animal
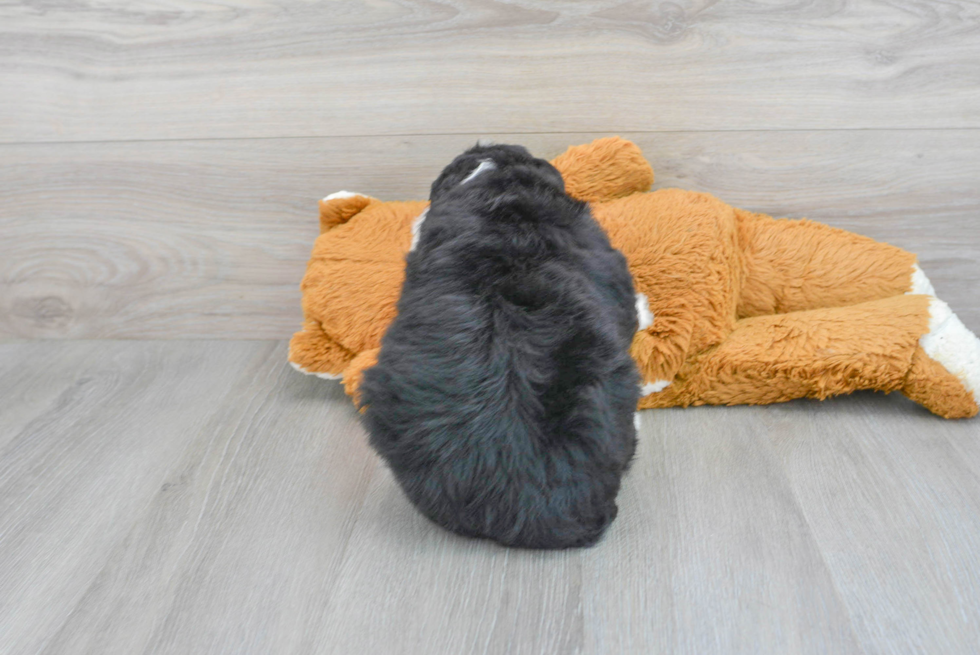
{"x": 743, "y": 308}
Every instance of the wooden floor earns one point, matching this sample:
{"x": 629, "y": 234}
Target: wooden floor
{"x": 169, "y": 485}
{"x": 201, "y": 496}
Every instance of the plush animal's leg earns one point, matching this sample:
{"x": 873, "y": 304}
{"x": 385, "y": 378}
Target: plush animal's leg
{"x": 946, "y": 361}
{"x": 795, "y": 265}
{"x": 828, "y": 352}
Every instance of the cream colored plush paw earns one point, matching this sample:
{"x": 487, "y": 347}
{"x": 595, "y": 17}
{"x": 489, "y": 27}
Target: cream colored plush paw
{"x": 951, "y": 343}
{"x": 944, "y": 376}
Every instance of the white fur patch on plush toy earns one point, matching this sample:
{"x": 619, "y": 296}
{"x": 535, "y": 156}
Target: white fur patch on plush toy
{"x": 653, "y": 387}
{"x": 644, "y": 317}
{"x": 920, "y": 284}
{"x": 643, "y": 314}
{"x": 325, "y": 376}
{"x": 951, "y": 343}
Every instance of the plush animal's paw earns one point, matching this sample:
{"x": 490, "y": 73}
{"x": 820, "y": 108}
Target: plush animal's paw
{"x": 919, "y": 283}
{"x": 944, "y": 376}
{"x": 313, "y": 352}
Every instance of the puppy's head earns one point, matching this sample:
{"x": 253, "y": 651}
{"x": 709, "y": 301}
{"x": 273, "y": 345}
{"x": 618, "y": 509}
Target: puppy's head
{"x": 483, "y": 162}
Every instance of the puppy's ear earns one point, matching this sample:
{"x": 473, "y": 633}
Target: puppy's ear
{"x": 340, "y": 207}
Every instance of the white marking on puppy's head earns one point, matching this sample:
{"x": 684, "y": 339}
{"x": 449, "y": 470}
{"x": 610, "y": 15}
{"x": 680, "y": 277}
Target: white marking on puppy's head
{"x": 636, "y": 420}
{"x": 485, "y": 165}
{"x": 417, "y": 228}
{"x": 643, "y": 314}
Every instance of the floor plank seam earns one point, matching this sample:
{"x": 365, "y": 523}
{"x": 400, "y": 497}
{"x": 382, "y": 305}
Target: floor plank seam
{"x": 395, "y": 135}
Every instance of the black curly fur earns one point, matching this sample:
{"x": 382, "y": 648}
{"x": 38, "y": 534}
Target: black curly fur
{"x": 504, "y": 392}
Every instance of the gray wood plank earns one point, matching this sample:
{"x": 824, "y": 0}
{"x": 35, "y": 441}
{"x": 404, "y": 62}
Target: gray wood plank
{"x": 435, "y": 592}
{"x": 33, "y": 376}
{"x": 238, "y": 549}
{"x": 91, "y": 71}
{"x": 191, "y": 497}
{"x": 209, "y": 239}
{"x": 711, "y": 553}
{"x": 892, "y": 496}
{"x": 75, "y": 478}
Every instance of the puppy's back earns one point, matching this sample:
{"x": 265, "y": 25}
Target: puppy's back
{"x": 504, "y": 391}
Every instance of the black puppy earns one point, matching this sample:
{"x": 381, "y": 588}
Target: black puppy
{"x": 504, "y": 392}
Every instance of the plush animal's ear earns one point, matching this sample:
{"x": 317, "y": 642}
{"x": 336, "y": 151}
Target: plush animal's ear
{"x": 340, "y": 207}
{"x": 604, "y": 169}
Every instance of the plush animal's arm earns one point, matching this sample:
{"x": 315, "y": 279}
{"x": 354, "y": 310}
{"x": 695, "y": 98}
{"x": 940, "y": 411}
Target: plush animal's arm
{"x": 661, "y": 349}
{"x": 604, "y": 169}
